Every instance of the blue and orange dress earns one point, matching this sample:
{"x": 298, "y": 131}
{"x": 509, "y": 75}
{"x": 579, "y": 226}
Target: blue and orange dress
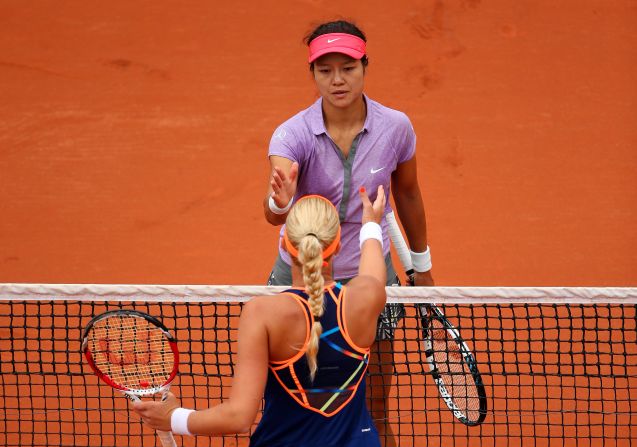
{"x": 329, "y": 411}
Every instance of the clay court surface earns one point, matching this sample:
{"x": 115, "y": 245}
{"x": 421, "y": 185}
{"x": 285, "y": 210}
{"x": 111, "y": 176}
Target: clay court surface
{"x": 133, "y": 135}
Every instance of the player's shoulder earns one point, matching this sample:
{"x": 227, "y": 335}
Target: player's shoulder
{"x": 389, "y": 119}
{"x": 301, "y": 123}
{"x": 367, "y": 291}
{"x": 280, "y": 304}
{"x": 388, "y": 113}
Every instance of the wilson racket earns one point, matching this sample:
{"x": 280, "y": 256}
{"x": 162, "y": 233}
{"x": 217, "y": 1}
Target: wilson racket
{"x": 453, "y": 366}
{"x": 133, "y": 353}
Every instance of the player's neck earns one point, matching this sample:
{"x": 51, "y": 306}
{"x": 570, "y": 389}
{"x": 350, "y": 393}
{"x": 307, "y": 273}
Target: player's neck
{"x": 348, "y": 118}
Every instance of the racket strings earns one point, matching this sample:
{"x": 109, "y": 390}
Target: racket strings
{"x": 454, "y": 371}
{"x": 131, "y": 351}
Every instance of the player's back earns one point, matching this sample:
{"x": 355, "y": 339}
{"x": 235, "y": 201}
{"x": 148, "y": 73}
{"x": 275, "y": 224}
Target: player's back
{"x": 329, "y": 411}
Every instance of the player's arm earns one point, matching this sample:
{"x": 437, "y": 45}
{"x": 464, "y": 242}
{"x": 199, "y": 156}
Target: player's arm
{"x": 372, "y": 262}
{"x": 367, "y": 290}
{"x": 411, "y": 211}
{"x": 281, "y": 189}
{"x": 237, "y": 414}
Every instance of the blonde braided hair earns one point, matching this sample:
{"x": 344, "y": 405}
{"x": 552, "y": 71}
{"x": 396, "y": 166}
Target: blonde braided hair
{"x": 312, "y": 225}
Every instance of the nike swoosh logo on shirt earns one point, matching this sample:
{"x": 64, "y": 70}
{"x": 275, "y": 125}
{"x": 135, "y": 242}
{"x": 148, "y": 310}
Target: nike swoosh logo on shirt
{"x": 333, "y": 40}
{"x": 374, "y": 171}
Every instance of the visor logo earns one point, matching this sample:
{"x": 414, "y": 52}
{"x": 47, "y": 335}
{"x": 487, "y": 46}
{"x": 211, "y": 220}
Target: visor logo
{"x": 333, "y": 40}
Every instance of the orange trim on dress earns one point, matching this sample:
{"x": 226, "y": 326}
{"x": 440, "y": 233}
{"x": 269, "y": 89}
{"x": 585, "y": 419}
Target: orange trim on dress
{"x": 282, "y": 364}
{"x": 341, "y": 323}
{"x": 309, "y": 320}
{"x": 299, "y": 387}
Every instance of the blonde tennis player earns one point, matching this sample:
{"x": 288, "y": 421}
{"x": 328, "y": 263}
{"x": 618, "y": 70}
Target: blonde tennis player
{"x": 304, "y": 350}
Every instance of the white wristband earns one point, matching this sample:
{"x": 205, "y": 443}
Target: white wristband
{"x": 421, "y": 261}
{"x": 179, "y": 421}
{"x": 371, "y": 230}
{"x": 276, "y": 210}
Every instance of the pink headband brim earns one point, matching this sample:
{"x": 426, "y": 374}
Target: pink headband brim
{"x": 343, "y": 43}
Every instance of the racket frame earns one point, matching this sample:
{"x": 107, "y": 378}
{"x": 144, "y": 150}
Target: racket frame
{"x": 430, "y": 311}
{"x": 154, "y": 321}
{"x": 166, "y": 437}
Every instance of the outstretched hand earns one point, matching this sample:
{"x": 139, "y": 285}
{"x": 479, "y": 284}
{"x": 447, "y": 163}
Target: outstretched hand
{"x": 373, "y": 212}
{"x": 284, "y": 186}
{"x": 157, "y": 414}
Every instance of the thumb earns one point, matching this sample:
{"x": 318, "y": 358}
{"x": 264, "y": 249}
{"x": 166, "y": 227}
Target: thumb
{"x": 139, "y": 406}
{"x": 380, "y": 201}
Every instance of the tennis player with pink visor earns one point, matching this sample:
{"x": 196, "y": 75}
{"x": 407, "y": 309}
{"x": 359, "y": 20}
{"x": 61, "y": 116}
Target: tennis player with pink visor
{"x": 342, "y": 142}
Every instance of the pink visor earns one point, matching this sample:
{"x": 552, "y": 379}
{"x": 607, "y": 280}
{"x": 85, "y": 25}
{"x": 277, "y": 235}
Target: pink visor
{"x": 337, "y": 43}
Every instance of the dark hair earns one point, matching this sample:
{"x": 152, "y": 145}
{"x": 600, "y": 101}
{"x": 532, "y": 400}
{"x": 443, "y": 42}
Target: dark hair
{"x": 336, "y": 26}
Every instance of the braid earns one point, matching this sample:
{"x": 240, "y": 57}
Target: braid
{"x": 310, "y": 250}
{"x": 312, "y": 225}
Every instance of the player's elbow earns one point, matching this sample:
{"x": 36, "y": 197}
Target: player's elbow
{"x": 243, "y": 422}
{"x": 241, "y": 415}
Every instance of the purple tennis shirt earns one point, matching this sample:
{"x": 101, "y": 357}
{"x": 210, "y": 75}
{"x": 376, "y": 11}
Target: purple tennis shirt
{"x": 386, "y": 140}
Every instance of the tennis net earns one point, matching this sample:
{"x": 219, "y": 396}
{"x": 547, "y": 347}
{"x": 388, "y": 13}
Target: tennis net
{"x": 559, "y": 365}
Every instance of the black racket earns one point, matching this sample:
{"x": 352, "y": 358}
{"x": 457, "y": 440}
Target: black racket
{"x": 453, "y": 366}
{"x": 133, "y": 353}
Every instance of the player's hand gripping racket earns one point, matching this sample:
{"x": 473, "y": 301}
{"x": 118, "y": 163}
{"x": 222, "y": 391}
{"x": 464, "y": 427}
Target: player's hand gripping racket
{"x": 453, "y": 366}
{"x": 134, "y": 353}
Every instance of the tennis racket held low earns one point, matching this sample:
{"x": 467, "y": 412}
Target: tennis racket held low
{"x": 452, "y": 365}
{"x": 133, "y": 353}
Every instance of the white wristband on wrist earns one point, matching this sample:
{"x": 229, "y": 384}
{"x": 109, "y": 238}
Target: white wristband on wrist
{"x": 179, "y": 421}
{"x": 371, "y": 230}
{"x": 421, "y": 261}
{"x": 276, "y": 210}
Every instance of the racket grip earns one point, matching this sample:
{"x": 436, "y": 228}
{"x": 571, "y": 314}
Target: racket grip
{"x": 401, "y": 247}
{"x": 166, "y": 438}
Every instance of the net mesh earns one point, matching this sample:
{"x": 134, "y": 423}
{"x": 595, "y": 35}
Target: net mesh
{"x": 559, "y": 365}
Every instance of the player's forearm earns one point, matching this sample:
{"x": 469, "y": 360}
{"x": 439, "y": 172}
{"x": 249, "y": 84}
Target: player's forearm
{"x": 411, "y": 211}
{"x": 272, "y": 218}
{"x": 226, "y": 418}
{"x": 372, "y": 262}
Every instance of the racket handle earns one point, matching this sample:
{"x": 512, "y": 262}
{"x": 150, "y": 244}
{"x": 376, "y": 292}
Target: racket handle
{"x": 166, "y": 438}
{"x": 401, "y": 247}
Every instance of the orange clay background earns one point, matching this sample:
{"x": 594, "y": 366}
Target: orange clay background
{"x": 133, "y": 134}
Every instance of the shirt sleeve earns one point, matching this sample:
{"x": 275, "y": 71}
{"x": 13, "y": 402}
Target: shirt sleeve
{"x": 406, "y": 138}
{"x": 284, "y": 143}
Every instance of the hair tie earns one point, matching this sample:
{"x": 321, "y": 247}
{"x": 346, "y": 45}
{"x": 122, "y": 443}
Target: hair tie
{"x": 312, "y": 234}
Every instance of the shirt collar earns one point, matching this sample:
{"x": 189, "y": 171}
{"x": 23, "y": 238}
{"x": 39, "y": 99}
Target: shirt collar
{"x": 316, "y": 116}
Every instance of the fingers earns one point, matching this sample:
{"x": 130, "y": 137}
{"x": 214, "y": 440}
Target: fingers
{"x": 284, "y": 185}
{"x": 277, "y": 180}
{"x": 156, "y": 414}
{"x": 380, "y": 201}
{"x": 294, "y": 172}
{"x": 362, "y": 192}
{"x": 372, "y": 212}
